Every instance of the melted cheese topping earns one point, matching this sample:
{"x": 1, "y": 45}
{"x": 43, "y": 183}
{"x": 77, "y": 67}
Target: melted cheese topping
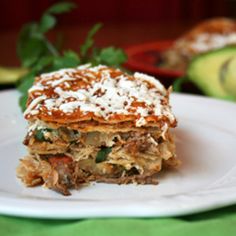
{"x": 98, "y": 91}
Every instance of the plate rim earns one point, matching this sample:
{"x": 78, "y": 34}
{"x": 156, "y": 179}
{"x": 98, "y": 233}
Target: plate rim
{"x": 150, "y": 210}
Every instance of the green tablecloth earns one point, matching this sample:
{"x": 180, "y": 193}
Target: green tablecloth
{"x": 217, "y": 222}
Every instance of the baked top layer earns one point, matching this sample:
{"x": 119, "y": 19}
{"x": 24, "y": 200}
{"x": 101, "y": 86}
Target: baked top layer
{"x": 102, "y": 94}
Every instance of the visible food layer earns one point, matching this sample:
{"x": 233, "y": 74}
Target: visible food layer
{"x": 64, "y": 159}
{"x": 102, "y": 94}
{"x": 96, "y": 124}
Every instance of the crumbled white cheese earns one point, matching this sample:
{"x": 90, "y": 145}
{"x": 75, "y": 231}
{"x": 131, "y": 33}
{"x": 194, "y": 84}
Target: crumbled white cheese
{"x": 69, "y": 107}
{"x": 38, "y": 124}
{"x": 34, "y": 103}
{"x": 70, "y": 94}
{"x": 34, "y": 112}
{"x": 141, "y": 122}
{"x": 97, "y": 68}
{"x": 164, "y": 129}
{"x": 57, "y": 74}
{"x": 152, "y": 140}
{"x": 49, "y": 103}
{"x": 37, "y": 87}
{"x": 109, "y": 95}
{"x": 85, "y": 66}
{"x": 142, "y": 111}
{"x": 150, "y": 79}
{"x": 67, "y": 84}
{"x": 65, "y": 78}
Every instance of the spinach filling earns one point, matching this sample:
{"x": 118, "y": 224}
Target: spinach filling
{"x": 39, "y": 134}
{"x": 102, "y": 154}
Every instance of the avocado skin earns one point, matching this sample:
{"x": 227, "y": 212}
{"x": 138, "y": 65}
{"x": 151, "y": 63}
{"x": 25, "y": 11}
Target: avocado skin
{"x": 228, "y": 76}
{"x": 204, "y": 72}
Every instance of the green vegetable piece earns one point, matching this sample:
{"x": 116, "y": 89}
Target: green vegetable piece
{"x": 112, "y": 56}
{"x": 102, "y": 154}
{"x": 39, "y": 55}
{"x": 26, "y": 82}
{"x": 69, "y": 59}
{"x": 61, "y": 7}
{"x": 39, "y": 134}
{"x": 43, "y": 64}
{"x": 89, "y": 41}
{"x": 47, "y": 22}
{"x": 30, "y": 45}
{"x": 22, "y": 101}
{"x": 204, "y": 71}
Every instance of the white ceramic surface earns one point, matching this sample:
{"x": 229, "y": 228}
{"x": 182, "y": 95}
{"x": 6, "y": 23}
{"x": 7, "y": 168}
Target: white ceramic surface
{"x": 206, "y": 145}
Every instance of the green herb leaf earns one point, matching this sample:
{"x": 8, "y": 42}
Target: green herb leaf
{"x": 46, "y": 23}
{"x": 102, "y": 154}
{"x": 40, "y": 55}
{"x": 23, "y": 86}
{"x": 89, "y": 41}
{"x": 112, "y": 56}
{"x": 26, "y": 82}
{"x": 43, "y": 64}
{"x": 37, "y": 53}
{"x": 69, "y": 59}
{"x": 22, "y": 101}
{"x": 30, "y": 45}
{"x": 61, "y": 7}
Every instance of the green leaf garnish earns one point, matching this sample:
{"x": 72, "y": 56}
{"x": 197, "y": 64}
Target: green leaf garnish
{"x": 112, "y": 56}
{"x": 69, "y": 59}
{"x": 61, "y": 7}
{"x": 39, "y": 55}
{"x": 22, "y": 101}
{"x": 26, "y": 82}
{"x": 30, "y": 45}
{"x": 46, "y": 23}
{"x": 102, "y": 154}
{"x": 89, "y": 41}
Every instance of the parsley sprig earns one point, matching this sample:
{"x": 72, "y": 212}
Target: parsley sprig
{"x": 38, "y": 54}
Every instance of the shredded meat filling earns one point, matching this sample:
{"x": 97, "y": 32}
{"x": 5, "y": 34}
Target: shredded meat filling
{"x": 64, "y": 159}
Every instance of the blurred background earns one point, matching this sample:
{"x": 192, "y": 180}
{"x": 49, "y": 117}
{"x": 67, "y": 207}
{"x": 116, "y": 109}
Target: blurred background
{"x": 126, "y": 22}
{"x": 17, "y": 12}
{"x": 146, "y": 30}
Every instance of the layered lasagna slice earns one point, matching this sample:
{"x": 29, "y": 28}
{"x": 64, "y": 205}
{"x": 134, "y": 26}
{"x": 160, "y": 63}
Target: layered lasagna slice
{"x": 96, "y": 124}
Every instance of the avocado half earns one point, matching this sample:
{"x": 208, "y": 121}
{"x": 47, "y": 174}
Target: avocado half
{"x": 10, "y": 75}
{"x": 205, "y": 72}
{"x": 228, "y": 76}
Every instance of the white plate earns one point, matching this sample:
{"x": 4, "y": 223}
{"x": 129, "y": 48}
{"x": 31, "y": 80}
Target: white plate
{"x": 206, "y": 144}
